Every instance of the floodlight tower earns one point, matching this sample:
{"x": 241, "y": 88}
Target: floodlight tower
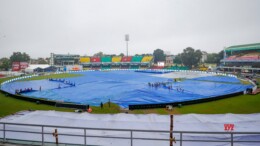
{"x": 126, "y": 40}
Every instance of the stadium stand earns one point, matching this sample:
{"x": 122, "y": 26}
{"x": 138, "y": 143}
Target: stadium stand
{"x": 137, "y": 59}
{"x": 125, "y": 62}
{"x": 147, "y": 59}
{"x": 250, "y": 56}
{"x": 241, "y": 58}
{"x": 84, "y": 60}
{"x": 106, "y": 59}
{"x": 95, "y": 62}
{"x": 245, "y": 57}
{"x": 126, "y": 59}
{"x": 145, "y": 62}
{"x": 95, "y": 59}
{"x": 136, "y": 62}
{"x": 116, "y": 59}
{"x": 106, "y": 62}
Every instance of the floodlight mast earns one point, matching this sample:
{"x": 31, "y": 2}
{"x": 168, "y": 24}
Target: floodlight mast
{"x": 127, "y": 39}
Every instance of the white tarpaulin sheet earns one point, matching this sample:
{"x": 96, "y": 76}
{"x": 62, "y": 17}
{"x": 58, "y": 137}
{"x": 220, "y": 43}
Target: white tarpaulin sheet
{"x": 189, "y": 122}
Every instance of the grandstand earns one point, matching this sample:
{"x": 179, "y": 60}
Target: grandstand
{"x": 147, "y": 59}
{"x": 95, "y": 62}
{"x": 107, "y": 62}
{"x": 116, "y": 60}
{"x": 145, "y": 62}
{"x": 136, "y": 62}
{"x": 242, "y": 58}
{"x": 125, "y": 62}
{"x": 85, "y": 62}
{"x": 64, "y": 59}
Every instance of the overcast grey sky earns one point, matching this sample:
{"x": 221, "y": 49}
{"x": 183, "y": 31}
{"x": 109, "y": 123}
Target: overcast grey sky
{"x": 39, "y": 27}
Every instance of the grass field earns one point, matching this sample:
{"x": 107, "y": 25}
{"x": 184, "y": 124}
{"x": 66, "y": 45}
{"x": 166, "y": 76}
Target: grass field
{"x": 243, "y": 104}
{"x": 64, "y": 75}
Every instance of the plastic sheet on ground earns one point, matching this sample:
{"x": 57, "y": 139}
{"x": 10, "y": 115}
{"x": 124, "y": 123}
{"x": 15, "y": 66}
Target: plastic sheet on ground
{"x": 189, "y": 122}
{"x": 127, "y": 88}
{"x": 225, "y": 79}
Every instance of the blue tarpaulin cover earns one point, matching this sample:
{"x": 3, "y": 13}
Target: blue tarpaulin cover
{"x": 127, "y": 88}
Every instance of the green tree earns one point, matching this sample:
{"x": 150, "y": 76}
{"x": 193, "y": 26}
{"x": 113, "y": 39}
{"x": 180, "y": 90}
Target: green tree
{"x": 121, "y": 54}
{"x": 220, "y": 56}
{"x": 19, "y": 57}
{"x": 5, "y": 64}
{"x": 48, "y": 60}
{"x": 191, "y": 57}
{"x": 158, "y": 55}
{"x": 42, "y": 61}
{"x": 99, "y": 54}
{"x": 177, "y": 59}
{"x": 215, "y": 57}
{"x": 212, "y": 58}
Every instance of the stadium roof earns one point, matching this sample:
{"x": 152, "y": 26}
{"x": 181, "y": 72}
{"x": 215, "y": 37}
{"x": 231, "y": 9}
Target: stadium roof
{"x": 245, "y": 47}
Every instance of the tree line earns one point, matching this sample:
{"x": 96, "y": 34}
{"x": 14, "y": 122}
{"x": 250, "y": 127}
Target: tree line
{"x": 6, "y": 63}
{"x": 189, "y": 57}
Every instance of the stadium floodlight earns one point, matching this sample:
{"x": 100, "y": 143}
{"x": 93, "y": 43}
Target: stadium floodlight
{"x": 127, "y": 39}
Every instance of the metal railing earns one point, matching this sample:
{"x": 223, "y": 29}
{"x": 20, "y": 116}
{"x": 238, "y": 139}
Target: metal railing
{"x": 180, "y": 139}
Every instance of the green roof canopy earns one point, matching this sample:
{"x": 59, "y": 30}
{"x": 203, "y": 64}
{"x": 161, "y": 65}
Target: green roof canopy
{"x": 246, "y": 47}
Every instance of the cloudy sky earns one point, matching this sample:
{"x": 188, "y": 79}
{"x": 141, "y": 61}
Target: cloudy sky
{"x": 39, "y": 27}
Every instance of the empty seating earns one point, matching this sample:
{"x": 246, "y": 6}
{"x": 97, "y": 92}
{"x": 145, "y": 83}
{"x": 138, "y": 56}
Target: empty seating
{"x": 137, "y": 58}
{"x": 126, "y": 59}
{"x": 147, "y": 59}
{"x": 231, "y": 58}
{"x": 83, "y": 60}
{"x": 116, "y": 59}
{"x": 105, "y": 59}
{"x": 107, "y": 62}
{"x": 245, "y": 57}
{"x": 95, "y": 59}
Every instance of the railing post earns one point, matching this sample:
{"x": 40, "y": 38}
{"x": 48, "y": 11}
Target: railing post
{"x": 131, "y": 138}
{"x": 181, "y": 139}
{"x": 85, "y": 137}
{"x": 4, "y": 132}
{"x": 231, "y": 139}
{"x": 42, "y": 135}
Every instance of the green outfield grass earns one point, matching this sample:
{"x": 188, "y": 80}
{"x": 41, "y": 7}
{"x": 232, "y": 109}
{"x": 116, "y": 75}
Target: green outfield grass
{"x": 10, "y": 105}
{"x": 243, "y": 104}
{"x": 63, "y": 75}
